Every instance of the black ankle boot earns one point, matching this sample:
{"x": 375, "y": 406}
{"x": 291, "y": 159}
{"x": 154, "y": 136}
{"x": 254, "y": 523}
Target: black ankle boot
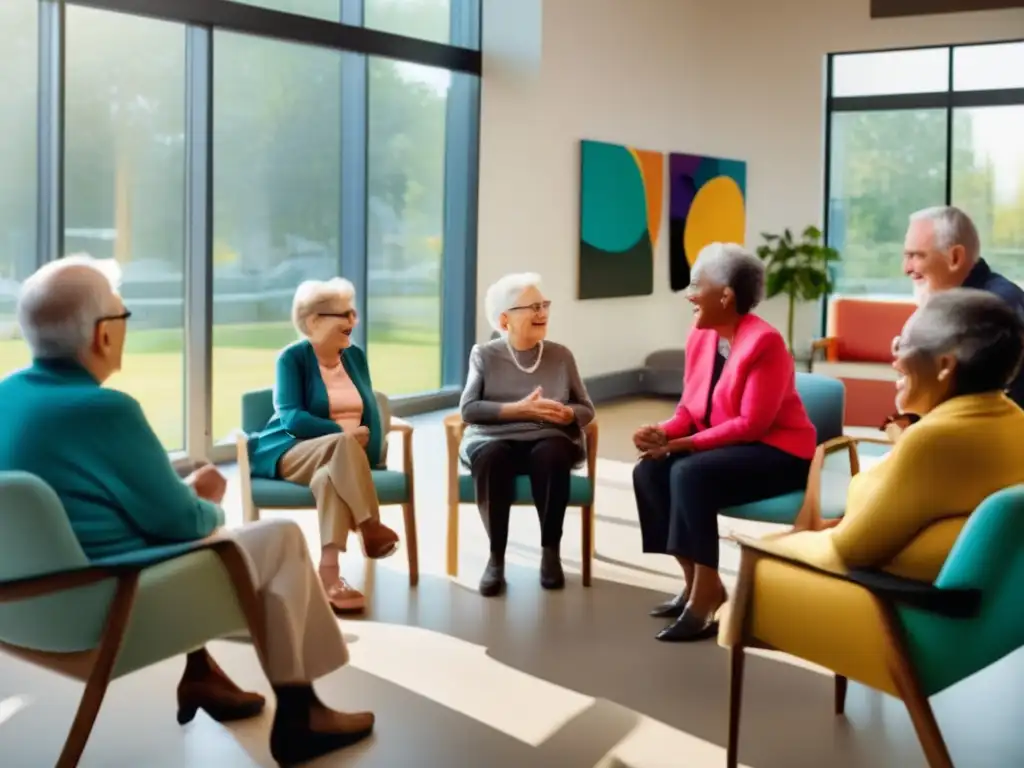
{"x": 492, "y": 583}
{"x": 293, "y": 741}
{"x": 551, "y": 574}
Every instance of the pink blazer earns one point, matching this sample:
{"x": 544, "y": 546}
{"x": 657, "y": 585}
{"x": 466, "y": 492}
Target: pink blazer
{"x": 755, "y": 400}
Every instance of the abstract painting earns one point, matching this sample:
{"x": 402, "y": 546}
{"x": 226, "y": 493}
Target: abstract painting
{"x": 707, "y": 204}
{"x": 621, "y": 194}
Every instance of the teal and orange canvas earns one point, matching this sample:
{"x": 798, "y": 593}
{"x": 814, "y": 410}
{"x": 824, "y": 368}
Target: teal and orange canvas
{"x": 621, "y": 194}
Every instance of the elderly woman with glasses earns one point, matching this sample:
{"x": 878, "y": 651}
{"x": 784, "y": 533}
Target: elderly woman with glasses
{"x": 525, "y": 407}
{"x": 739, "y": 434}
{"x": 955, "y": 358}
{"x": 326, "y": 431}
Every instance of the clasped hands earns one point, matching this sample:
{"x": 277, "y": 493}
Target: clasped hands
{"x": 653, "y": 443}
{"x": 535, "y": 407}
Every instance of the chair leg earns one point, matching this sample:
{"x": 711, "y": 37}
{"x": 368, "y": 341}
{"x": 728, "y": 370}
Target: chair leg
{"x": 840, "y": 695}
{"x": 411, "y": 542}
{"x": 737, "y": 656}
{"x": 453, "y": 539}
{"x": 103, "y": 668}
{"x": 587, "y": 523}
{"x": 921, "y": 714}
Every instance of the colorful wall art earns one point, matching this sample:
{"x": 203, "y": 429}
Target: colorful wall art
{"x": 707, "y": 204}
{"x": 621, "y": 194}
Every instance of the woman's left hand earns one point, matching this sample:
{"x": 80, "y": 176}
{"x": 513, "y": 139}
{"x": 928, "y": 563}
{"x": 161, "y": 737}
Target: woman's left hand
{"x": 681, "y": 445}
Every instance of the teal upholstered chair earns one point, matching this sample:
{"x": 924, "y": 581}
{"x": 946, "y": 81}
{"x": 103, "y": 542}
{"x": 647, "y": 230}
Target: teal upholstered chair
{"x": 101, "y": 620}
{"x": 824, "y": 399}
{"x": 461, "y": 491}
{"x": 907, "y": 638}
{"x": 393, "y": 487}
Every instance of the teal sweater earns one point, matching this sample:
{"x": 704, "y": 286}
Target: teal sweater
{"x": 94, "y": 447}
{"x": 302, "y": 410}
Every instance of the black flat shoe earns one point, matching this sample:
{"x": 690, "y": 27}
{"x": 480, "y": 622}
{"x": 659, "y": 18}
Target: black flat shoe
{"x": 492, "y": 583}
{"x": 671, "y": 609}
{"x": 688, "y": 628}
{"x": 551, "y": 574}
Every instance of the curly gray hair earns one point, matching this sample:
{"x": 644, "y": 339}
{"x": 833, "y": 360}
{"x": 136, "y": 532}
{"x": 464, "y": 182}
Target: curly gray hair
{"x": 732, "y": 266}
{"x": 983, "y": 333}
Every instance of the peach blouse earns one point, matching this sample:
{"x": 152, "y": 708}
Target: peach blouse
{"x": 346, "y": 403}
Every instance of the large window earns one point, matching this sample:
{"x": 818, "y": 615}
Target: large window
{"x": 912, "y": 129}
{"x": 19, "y": 54}
{"x": 223, "y": 152}
{"x": 124, "y": 190}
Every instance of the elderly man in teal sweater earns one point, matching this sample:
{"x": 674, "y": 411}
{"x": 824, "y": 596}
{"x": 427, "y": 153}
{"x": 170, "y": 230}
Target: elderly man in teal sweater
{"x": 94, "y": 447}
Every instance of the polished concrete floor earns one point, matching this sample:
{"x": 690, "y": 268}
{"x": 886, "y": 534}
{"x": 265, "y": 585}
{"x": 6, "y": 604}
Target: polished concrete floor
{"x": 566, "y": 680}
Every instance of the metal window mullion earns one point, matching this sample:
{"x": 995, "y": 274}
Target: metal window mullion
{"x": 50, "y": 148}
{"x": 354, "y": 188}
{"x": 826, "y": 218}
{"x": 949, "y": 130}
{"x": 458, "y": 269}
{"x": 198, "y": 305}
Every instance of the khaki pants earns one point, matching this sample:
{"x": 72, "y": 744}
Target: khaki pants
{"x": 302, "y": 636}
{"x": 336, "y": 469}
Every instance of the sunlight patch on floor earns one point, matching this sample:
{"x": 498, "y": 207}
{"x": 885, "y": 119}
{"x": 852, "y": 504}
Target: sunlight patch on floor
{"x": 10, "y": 706}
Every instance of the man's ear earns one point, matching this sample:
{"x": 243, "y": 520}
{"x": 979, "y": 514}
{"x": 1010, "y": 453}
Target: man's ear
{"x": 957, "y": 257}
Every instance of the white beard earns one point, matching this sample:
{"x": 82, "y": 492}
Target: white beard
{"x": 921, "y": 292}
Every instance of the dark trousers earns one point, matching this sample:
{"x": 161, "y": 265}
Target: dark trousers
{"x": 548, "y": 463}
{"x": 678, "y": 497}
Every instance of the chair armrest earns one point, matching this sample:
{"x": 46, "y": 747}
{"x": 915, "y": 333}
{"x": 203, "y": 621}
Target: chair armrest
{"x": 828, "y": 346}
{"x": 453, "y": 430}
{"x": 399, "y": 424}
{"x": 951, "y": 603}
{"x": 591, "y": 433}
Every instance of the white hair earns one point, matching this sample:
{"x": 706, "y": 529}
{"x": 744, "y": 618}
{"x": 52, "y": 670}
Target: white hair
{"x": 314, "y": 297}
{"x": 732, "y": 266}
{"x": 58, "y": 306}
{"x": 952, "y": 227}
{"x": 503, "y": 295}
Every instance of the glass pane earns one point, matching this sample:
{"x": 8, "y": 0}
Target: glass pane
{"x": 18, "y": 102}
{"x": 318, "y": 9}
{"x": 405, "y": 225}
{"x": 925, "y": 70}
{"x": 884, "y": 166}
{"x": 986, "y": 67}
{"x": 988, "y": 181}
{"x": 425, "y": 19}
{"x": 276, "y": 202}
{"x": 125, "y": 190}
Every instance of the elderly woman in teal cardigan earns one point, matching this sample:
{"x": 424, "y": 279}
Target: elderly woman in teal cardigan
{"x": 326, "y": 431}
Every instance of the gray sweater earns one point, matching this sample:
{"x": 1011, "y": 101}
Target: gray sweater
{"x": 494, "y": 380}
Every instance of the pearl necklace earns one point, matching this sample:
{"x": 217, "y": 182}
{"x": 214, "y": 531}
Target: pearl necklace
{"x": 515, "y": 360}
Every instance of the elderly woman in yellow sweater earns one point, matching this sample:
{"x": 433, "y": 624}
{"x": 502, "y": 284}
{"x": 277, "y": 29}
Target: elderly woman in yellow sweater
{"x": 955, "y": 357}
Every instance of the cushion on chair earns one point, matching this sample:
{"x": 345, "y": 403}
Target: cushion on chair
{"x": 392, "y": 488}
{"x": 257, "y": 409}
{"x": 581, "y": 492}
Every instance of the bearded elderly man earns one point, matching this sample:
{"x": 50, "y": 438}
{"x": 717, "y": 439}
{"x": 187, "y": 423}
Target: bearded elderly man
{"x": 122, "y": 495}
{"x": 942, "y": 250}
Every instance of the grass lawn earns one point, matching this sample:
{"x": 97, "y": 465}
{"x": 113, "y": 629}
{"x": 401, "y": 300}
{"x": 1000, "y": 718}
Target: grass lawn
{"x": 243, "y": 359}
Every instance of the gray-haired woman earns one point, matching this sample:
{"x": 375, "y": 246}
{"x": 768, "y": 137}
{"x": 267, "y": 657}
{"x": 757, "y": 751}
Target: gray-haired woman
{"x": 525, "y": 406}
{"x": 740, "y": 434}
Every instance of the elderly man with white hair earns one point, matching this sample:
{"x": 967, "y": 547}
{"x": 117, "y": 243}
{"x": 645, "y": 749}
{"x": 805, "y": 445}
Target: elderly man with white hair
{"x": 326, "y": 431}
{"x": 94, "y": 447}
{"x": 942, "y": 250}
{"x": 526, "y": 408}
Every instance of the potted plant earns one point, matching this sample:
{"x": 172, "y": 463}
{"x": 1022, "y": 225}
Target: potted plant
{"x": 798, "y": 269}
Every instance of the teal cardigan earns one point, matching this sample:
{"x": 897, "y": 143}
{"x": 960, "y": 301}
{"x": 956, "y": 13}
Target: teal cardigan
{"x": 94, "y": 447}
{"x": 302, "y": 410}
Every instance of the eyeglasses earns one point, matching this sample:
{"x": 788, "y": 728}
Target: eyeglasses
{"x": 536, "y": 307}
{"x": 347, "y": 315}
{"x": 106, "y": 318}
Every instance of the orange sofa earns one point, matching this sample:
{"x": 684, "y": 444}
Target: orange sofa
{"x": 858, "y": 351}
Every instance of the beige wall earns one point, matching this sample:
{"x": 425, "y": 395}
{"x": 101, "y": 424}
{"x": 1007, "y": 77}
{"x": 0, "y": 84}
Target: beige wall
{"x": 733, "y": 78}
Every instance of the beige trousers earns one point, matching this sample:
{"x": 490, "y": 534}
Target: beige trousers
{"x": 302, "y": 637}
{"x": 337, "y": 470}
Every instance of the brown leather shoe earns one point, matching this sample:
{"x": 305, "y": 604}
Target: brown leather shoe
{"x": 206, "y": 686}
{"x": 379, "y": 541}
{"x": 343, "y": 597}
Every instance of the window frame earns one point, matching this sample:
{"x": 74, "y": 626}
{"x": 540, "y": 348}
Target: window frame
{"x": 949, "y": 100}
{"x": 356, "y": 43}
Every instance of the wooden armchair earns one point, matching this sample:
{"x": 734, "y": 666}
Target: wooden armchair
{"x": 461, "y": 491}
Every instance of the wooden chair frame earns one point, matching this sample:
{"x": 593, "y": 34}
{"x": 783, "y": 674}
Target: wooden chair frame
{"x": 95, "y": 667}
{"x": 898, "y": 660}
{"x": 454, "y": 428}
{"x": 251, "y": 513}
